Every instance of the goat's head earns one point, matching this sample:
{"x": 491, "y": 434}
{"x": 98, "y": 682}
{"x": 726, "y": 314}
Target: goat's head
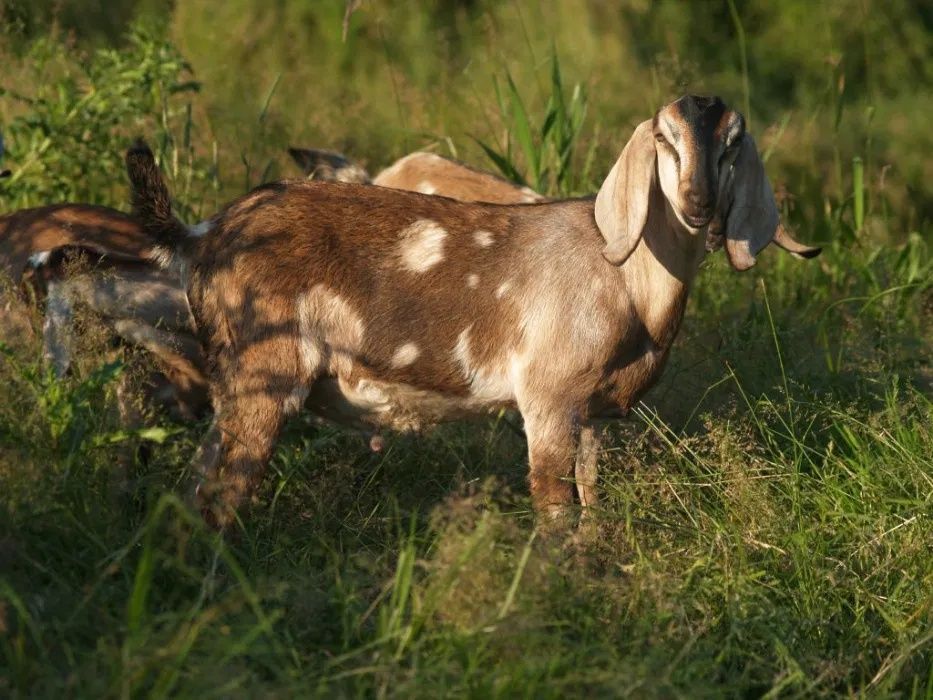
{"x": 328, "y": 166}
{"x": 697, "y": 152}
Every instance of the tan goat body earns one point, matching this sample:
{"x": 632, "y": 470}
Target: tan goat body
{"x": 384, "y": 308}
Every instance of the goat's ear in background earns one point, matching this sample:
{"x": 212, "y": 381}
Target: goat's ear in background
{"x": 752, "y": 220}
{"x": 313, "y": 162}
{"x": 327, "y": 166}
{"x": 622, "y": 202}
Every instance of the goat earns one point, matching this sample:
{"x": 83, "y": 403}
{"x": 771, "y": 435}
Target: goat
{"x": 144, "y": 304}
{"x": 427, "y": 173}
{"x": 378, "y": 307}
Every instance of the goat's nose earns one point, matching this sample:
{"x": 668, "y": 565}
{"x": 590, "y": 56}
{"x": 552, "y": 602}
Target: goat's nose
{"x": 699, "y": 199}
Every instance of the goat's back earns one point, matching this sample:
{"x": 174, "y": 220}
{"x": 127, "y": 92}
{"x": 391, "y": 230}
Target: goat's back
{"x": 430, "y": 173}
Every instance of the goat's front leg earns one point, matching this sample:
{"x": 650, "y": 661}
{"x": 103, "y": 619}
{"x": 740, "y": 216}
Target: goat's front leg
{"x": 552, "y": 432}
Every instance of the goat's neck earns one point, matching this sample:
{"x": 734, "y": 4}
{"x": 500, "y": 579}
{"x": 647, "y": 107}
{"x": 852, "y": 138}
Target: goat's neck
{"x": 660, "y": 272}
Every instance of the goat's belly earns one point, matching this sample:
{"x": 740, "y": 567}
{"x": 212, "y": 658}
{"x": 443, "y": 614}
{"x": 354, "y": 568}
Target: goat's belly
{"x": 371, "y": 403}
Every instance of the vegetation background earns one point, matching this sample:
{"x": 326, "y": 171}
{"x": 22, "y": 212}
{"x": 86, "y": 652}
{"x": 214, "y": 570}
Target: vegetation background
{"x": 766, "y": 526}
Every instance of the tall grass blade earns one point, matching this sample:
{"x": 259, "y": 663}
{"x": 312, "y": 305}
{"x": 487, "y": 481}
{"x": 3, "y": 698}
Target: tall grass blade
{"x": 858, "y": 192}
{"x": 142, "y": 583}
{"x": 522, "y": 127}
{"x": 517, "y": 578}
{"x": 506, "y": 167}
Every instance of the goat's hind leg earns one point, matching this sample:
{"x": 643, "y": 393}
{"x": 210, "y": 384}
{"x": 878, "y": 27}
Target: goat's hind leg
{"x": 586, "y": 468}
{"x": 250, "y": 412}
{"x": 234, "y": 455}
{"x": 585, "y": 473}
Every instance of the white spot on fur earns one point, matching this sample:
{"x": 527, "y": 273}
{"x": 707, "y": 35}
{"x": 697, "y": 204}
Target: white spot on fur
{"x": 472, "y": 280}
{"x": 40, "y": 259}
{"x": 483, "y": 238}
{"x": 329, "y": 330}
{"x": 503, "y": 289}
{"x": 405, "y": 355}
{"x": 486, "y": 384}
{"x": 426, "y": 187}
{"x": 422, "y": 245}
{"x": 198, "y": 230}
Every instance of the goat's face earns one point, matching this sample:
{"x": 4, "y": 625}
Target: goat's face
{"x": 698, "y": 140}
{"x": 697, "y": 154}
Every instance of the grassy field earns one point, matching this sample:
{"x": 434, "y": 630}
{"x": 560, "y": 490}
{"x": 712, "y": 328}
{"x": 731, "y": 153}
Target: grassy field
{"x": 765, "y": 529}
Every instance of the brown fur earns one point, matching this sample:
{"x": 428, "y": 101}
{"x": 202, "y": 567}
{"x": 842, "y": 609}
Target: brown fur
{"x": 430, "y": 173}
{"x": 328, "y": 166}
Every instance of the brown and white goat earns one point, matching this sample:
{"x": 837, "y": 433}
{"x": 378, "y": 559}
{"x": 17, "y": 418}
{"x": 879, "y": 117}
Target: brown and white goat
{"x": 389, "y": 309}
{"x": 423, "y": 172}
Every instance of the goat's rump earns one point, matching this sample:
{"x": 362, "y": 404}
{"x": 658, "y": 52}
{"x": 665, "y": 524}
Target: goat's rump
{"x": 29, "y": 234}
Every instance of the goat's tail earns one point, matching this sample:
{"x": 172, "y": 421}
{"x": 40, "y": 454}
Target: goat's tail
{"x": 152, "y": 205}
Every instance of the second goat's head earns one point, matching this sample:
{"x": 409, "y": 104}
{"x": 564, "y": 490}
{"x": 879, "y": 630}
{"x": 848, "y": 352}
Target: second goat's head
{"x": 695, "y": 153}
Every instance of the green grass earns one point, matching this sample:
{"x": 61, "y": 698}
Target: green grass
{"x": 765, "y": 529}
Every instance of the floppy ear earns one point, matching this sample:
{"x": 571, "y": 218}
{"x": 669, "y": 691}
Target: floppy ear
{"x": 622, "y": 202}
{"x": 751, "y": 219}
{"x": 752, "y": 216}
